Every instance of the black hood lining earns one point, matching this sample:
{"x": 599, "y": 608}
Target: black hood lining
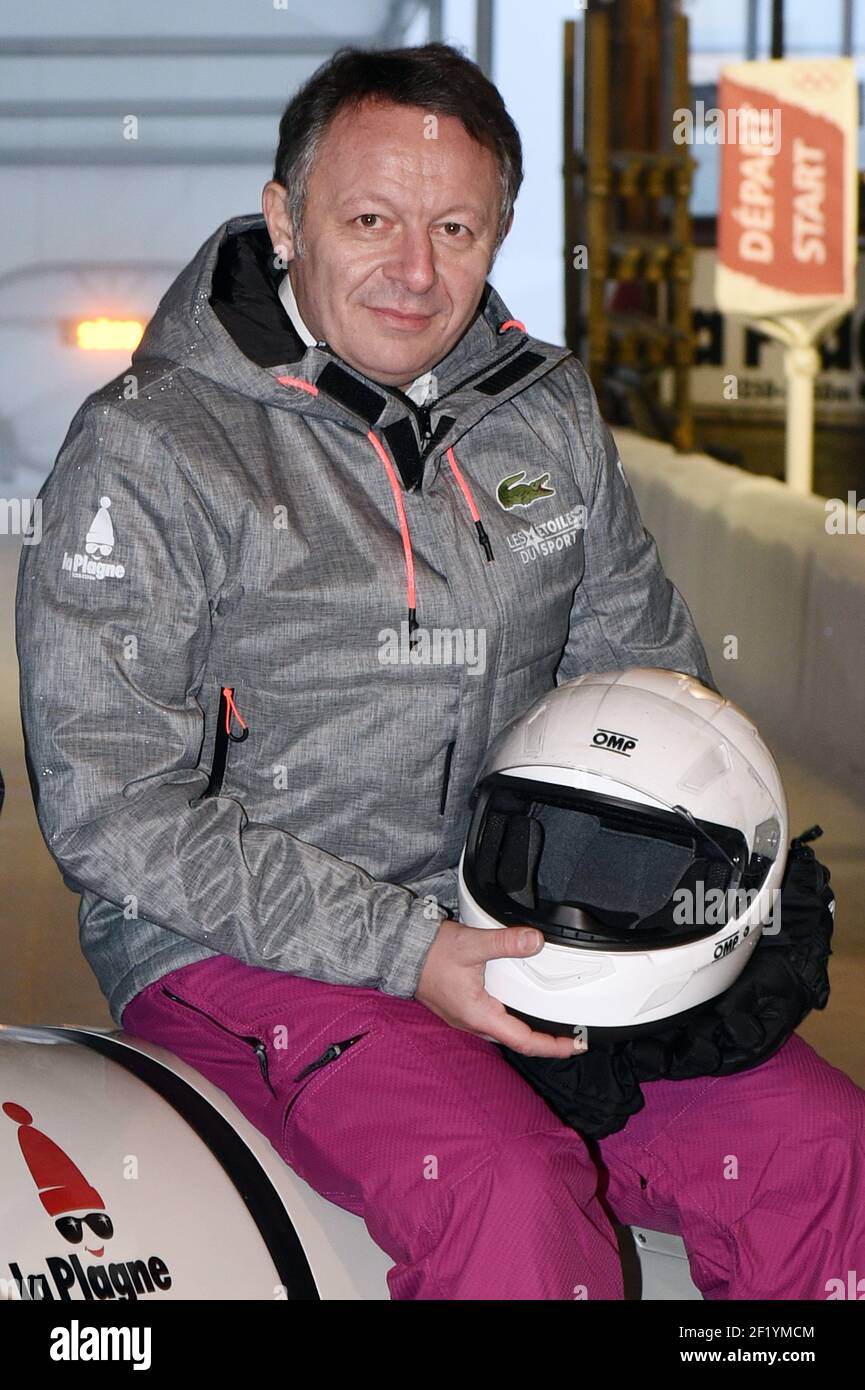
{"x": 245, "y": 299}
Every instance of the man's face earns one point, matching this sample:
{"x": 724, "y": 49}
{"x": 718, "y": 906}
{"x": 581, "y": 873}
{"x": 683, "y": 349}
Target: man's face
{"x": 398, "y": 235}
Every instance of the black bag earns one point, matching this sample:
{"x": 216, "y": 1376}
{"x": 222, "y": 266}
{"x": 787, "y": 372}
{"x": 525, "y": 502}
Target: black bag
{"x": 786, "y": 977}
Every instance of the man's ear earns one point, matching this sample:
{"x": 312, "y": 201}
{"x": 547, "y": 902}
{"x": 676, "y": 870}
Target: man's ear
{"x": 274, "y": 205}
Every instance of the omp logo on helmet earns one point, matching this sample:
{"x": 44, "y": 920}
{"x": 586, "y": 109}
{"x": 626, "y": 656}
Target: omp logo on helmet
{"x": 79, "y": 1217}
{"x": 724, "y": 947}
{"x": 513, "y": 492}
{"x": 98, "y": 545}
{"x": 614, "y": 742}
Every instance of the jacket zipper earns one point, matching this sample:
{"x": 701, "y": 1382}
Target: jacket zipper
{"x": 446, "y": 776}
{"x": 256, "y": 1044}
{"x": 422, "y": 412}
{"x": 330, "y": 1055}
{"x": 221, "y": 740}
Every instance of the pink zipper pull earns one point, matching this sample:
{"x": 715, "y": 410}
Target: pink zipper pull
{"x": 231, "y": 708}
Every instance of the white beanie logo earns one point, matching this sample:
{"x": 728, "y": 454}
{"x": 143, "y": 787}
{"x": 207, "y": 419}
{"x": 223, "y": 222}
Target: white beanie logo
{"x": 98, "y": 544}
{"x": 100, "y": 537}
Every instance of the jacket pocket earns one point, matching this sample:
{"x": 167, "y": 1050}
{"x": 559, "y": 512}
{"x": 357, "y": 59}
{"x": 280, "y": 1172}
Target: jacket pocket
{"x": 227, "y": 714}
{"x": 255, "y": 1044}
{"x": 446, "y": 776}
{"x": 310, "y": 1072}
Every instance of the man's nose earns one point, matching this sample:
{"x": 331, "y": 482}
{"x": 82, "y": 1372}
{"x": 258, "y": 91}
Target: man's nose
{"x": 413, "y": 262}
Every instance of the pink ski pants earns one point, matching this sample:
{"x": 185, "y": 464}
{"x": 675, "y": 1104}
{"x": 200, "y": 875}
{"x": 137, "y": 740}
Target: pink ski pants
{"x": 471, "y": 1184}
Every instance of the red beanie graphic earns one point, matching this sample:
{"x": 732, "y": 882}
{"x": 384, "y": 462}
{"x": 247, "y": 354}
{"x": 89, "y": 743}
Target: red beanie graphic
{"x": 62, "y": 1186}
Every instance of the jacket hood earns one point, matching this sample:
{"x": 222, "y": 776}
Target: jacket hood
{"x": 222, "y": 318}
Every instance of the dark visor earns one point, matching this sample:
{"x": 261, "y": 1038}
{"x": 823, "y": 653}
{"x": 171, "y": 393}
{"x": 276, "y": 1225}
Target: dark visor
{"x": 598, "y": 869}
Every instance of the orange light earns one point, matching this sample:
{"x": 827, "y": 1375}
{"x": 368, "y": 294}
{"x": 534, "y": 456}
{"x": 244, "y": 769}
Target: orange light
{"x": 108, "y": 335}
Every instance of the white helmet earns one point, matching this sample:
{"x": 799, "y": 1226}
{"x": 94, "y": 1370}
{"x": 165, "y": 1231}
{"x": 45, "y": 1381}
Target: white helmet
{"x": 638, "y": 819}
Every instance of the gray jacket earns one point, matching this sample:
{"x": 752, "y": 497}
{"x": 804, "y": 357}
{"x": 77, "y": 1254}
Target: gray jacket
{"x": 221, "y": 548}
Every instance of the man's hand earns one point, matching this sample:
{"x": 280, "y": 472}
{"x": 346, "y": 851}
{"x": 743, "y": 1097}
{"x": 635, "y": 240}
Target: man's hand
{"x": 452, "y": 985}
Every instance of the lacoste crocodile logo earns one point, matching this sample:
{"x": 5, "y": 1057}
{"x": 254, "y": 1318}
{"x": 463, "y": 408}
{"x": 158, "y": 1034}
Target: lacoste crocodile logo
{"x": 513, "y": 492}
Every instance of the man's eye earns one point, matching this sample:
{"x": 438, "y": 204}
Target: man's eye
{"x": 367, "y": 218}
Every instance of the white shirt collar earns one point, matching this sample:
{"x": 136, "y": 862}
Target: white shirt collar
{"x": 421, "y": 389}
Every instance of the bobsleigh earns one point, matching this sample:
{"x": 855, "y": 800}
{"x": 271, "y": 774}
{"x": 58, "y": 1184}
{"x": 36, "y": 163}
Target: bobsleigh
{"x": 126, "y": 1175}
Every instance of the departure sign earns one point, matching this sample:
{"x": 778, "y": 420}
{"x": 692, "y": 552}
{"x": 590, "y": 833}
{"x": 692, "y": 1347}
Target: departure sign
{"x": 787, "y": 218}
{"x": 786, "y": 226}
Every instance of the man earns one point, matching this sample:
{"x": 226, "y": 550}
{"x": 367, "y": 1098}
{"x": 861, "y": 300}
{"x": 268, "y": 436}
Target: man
{"x": 339, "y": 444}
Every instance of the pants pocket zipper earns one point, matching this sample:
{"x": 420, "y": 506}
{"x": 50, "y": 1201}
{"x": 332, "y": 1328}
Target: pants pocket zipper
{"x": 330, "y": 1055}
{"x": 257, "y": 1045}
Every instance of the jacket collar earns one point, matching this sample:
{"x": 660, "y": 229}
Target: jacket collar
{"x": 223, "y": 319}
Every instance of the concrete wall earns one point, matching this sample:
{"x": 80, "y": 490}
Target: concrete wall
{"x": 778, "y": 600}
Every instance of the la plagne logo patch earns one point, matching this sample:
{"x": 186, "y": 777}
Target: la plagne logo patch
{"x": 82, "y": 1222}
{"x": 514, "y": 492}
{"x": 98, "y": 545}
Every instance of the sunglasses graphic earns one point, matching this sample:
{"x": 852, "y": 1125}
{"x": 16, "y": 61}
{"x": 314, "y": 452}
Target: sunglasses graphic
{"x": 71, "y": 1227}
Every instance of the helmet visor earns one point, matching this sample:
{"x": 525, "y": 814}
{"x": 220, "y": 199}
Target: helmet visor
{"x": 601, "y": 870}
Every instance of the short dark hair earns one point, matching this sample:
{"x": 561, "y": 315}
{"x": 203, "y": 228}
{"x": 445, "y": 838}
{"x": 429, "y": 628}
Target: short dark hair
{"x": 434, "y": 76}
